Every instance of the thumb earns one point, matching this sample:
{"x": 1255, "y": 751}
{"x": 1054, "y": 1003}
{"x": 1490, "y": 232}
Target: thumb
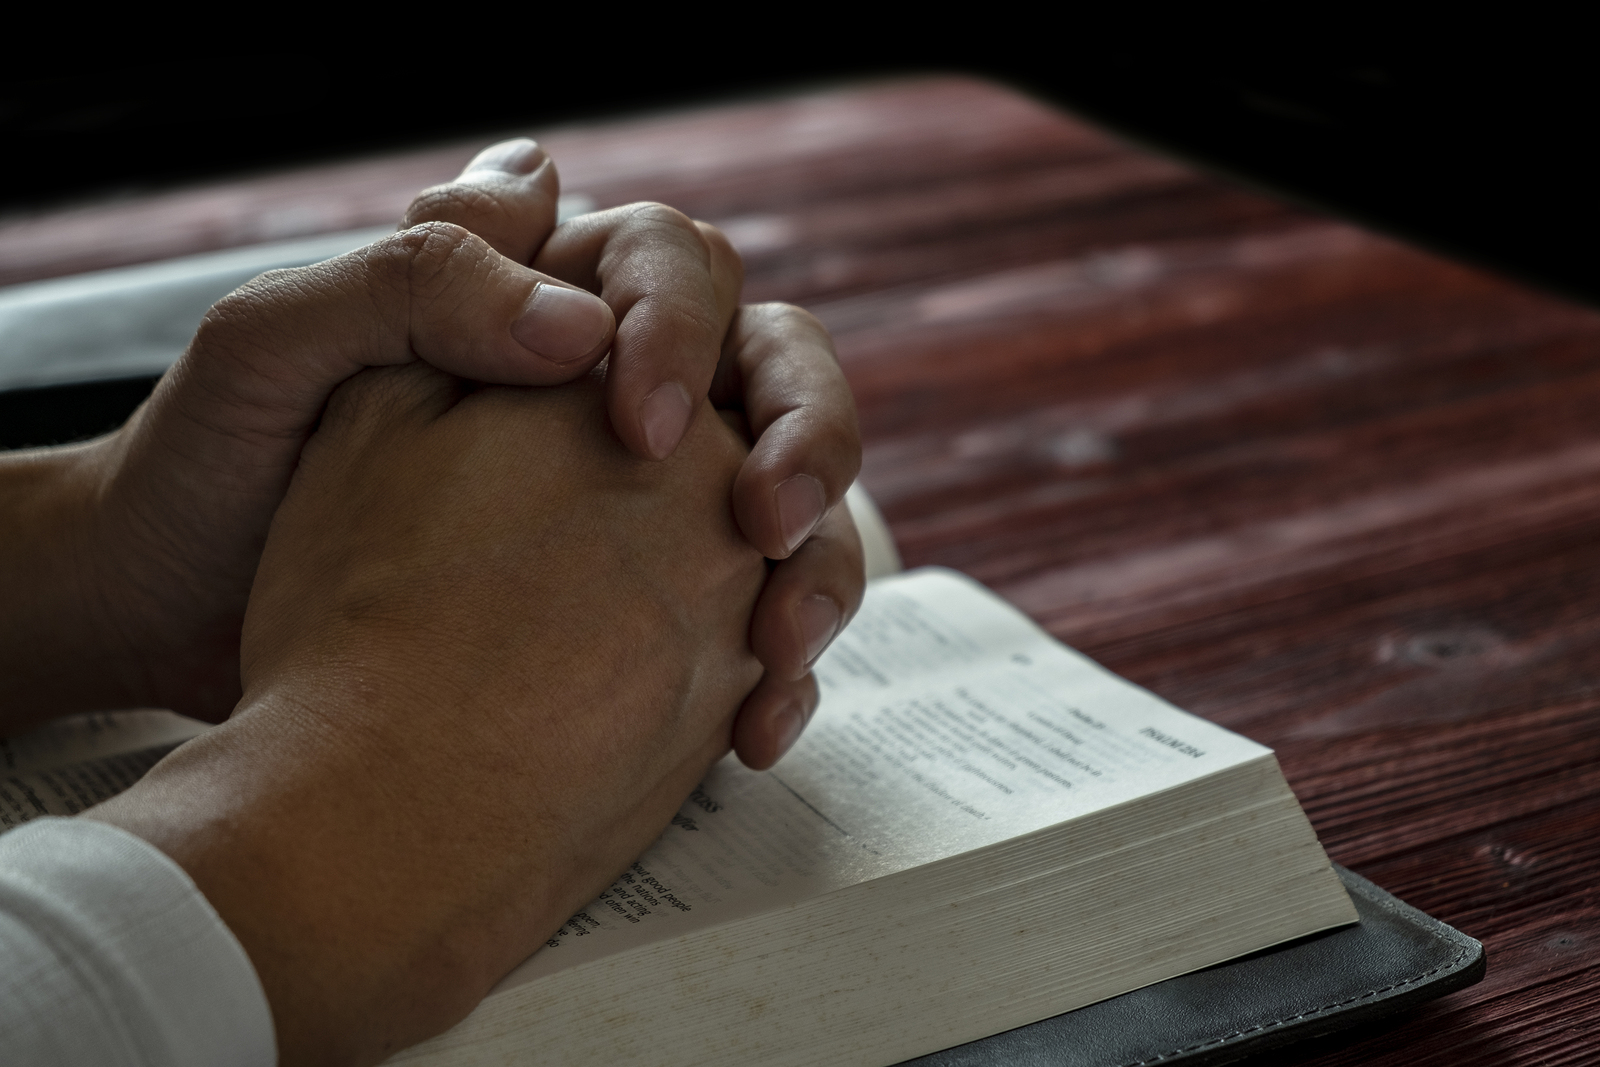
{"x": 194, "y": 478}
{"x": 209, "y": 456}
{"x": 471, "y": 311}
{"x": 268, "y": 355}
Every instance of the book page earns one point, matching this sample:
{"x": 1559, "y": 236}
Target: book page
{"x": 953, "y": 722}
{"x": 948, "y": 722}
{"x": 74, "y": 788}
{"x": 76, "y": 761}
{"x": 94, "y": 735}
{"x": 879, "y": 557}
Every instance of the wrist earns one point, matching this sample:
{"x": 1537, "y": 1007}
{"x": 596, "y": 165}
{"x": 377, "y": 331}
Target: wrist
{"x": 122, "y": 590}
{"x": 61, "y": 649}
{"x": 365, "y": 937}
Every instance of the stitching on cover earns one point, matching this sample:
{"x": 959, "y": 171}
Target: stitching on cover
{"x": 1225, "y": 1038}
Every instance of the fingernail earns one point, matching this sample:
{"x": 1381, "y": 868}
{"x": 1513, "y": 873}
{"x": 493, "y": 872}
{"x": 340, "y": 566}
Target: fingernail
{"x": 562, "y": 324}
{"x": 519, "y": 156}
{"x": 789, "y": 723}
{"x": 800, "y": 501}
{"x": 665, "y": 416}
{"x": 818, "y": 618}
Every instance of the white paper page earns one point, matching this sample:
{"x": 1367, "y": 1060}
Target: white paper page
{"x": 948, "y": 722}
{"x": 953, "y": 722}
{"x": 74, "y": 788}
{"x": 879, "y": 557}
{"x": 77, "y": 738}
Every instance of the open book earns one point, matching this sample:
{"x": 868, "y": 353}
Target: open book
{"x": 981, "y": 828}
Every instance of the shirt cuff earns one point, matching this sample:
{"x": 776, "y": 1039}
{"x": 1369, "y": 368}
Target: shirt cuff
{"x": 109, "y": 954}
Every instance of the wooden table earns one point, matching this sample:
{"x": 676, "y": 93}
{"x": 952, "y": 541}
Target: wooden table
{"x": 1328, "y": 491}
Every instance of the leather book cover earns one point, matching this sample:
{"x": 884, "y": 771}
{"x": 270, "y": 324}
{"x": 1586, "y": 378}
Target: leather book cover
{"x": 1395, "y": 958}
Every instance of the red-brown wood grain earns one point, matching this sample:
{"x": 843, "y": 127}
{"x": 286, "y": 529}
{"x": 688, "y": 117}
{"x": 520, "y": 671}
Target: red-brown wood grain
{"x": 1327, "y": 490}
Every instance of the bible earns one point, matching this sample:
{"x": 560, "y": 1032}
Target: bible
{"x": 981, "y": 828}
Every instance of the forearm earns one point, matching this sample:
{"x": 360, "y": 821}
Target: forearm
{"x": 258, "y": 814}
{"x": 56, "y": 653}
{"x": 370, "y": 926}
{"x": 109, "y": 954}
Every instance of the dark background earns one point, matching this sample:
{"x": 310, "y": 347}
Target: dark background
{"x": 1474, "y": 141}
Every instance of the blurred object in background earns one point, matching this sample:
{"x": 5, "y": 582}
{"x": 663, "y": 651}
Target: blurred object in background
{"x": 1471, "y": 138}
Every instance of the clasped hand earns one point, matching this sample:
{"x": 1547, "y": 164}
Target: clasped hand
{"x": 487, "y": 655}
{"x": 473, "y": 641}
{"x": 144, "y": 545}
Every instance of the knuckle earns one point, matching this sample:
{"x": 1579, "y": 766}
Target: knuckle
{"x": 653, "y": 213}
{"x": 245, "y": 316}
{"x": 453, "y": 201}
{"x": 719, "y": 246}
{"x": 727, "y": 265}
{"x": 789, "y": 319}
{"x": 430, "y": 255}
{"x": 369, "y": 394}
{"x": 714, "y": 236}
{"x": 700, "y": 318}
{"x": 776, "y": 330}
{"x": 426, "y": 237}
{"x": 384, "y": 396}
{"x": 655, "y": 220}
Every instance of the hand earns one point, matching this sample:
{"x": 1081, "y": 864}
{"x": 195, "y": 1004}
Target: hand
{"x": 130, "y": 558}
{"x": 673, "y": 285}
{"x": 134, "y": 554}
{"x": 487, "y": 655}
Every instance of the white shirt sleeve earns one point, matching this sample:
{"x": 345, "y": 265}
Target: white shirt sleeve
{"x": 110, "y": 955}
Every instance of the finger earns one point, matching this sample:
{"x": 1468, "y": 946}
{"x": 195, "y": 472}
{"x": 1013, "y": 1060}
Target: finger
{"x": 780, "y": 361}
{"x": 727, "y": 272}
{"x": 443, "y": 295}
{"x": 267, "y": 356}
{"x": 809, "y": 598}
{"x": 673, "y": 285}
{"x": 772, "y": 718}
{"x": 506, "y": 195}
{"x": 382, "y": 400}
{"x": 476, "y": 313}
{"x": 650, "y": 816}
